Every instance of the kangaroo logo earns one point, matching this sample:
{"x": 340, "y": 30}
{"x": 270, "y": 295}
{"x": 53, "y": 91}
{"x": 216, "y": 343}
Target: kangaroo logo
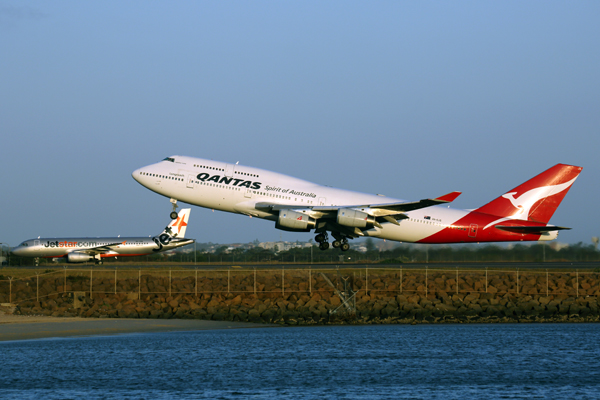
{"x": 524, "y": 202}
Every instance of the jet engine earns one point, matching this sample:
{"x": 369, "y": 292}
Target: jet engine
{"x": 76, "y": 257}
{"x": 354, "y": 218}
{"x": 294, "y": 221}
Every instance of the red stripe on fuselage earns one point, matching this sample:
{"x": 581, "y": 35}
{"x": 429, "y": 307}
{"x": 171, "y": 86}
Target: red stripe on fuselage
{"x": 106, "y": 255}
{"x": 470, "y": 229}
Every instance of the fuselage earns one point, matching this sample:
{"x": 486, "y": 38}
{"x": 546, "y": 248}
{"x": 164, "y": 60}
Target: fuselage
{"x": 241, "y": 189}
{"x": 83, "y": 249}
{"x": 119, "y": 246}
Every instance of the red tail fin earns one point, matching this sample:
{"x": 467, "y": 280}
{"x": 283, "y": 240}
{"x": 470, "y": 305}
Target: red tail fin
{"x": 538, "y": 198}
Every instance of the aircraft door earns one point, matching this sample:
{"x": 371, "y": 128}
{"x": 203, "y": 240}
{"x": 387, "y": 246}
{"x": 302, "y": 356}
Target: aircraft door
{"x": 36, "y": 245}
{"x": 190, "y": 181}
{"x": 248, "y": 193}
{"x": 321, "y": 201}
{"x": 229, "y": 170}
{"x": 473, "y": 230}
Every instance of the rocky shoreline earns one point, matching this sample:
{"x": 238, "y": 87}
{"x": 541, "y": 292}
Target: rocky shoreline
{"x": 317, "y": 309}
{"x": 385, "y": 298}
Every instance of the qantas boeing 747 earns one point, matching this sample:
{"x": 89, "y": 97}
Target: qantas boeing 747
{"x": 521, "y": 214}
{"x": 77, "y": 250}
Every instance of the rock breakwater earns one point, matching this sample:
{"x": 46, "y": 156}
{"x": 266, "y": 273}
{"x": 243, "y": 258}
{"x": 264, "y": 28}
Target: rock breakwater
{"x": 302, "y": 297}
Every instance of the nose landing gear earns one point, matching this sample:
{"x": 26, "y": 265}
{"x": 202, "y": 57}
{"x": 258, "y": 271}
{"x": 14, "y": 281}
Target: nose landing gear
{"x": 173, "y": 214}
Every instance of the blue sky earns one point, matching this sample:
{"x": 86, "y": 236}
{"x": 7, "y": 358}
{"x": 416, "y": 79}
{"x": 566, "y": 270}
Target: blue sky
{"x": 408, "y": 99}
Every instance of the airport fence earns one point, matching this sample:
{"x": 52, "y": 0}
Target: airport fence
{"x": 281, "y": 282}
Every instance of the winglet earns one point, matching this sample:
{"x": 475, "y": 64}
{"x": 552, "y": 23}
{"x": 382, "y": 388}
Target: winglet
{"x": 448, "y": 198}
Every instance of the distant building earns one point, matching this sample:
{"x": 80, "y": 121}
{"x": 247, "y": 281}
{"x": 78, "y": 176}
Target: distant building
{"x": 283, "y": 246}
{"x": 557, "y": 246}
{"x": 360, "y": 248}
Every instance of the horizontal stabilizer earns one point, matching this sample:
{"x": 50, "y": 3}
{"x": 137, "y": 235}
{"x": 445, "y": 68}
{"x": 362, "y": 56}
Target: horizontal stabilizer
{"x": 530, "y": 229}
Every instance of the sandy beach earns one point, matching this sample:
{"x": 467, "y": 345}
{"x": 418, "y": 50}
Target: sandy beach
{"x": 18, "y": 327}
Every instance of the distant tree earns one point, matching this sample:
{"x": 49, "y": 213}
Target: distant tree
{"x": 370, "y": 245}
{"x": 221, "y": 250}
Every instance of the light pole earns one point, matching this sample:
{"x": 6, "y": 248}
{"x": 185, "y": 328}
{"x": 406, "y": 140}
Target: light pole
{"x": 7, "y": 252}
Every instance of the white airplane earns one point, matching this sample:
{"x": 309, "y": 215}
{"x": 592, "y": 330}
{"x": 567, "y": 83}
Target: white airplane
{"x": 77, "y": 250}
{"x": 522, "y": 214}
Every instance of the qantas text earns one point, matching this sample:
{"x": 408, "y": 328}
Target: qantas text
{"x": 204, "y": 177}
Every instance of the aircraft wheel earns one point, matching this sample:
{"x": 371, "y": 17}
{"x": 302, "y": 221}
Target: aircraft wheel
{"x": 173, "y": 215}
{"x": 324, "y": 246}
{"x": 336, "y": 244}
{"x": 345, "y": 247}
{"x": 320, "y": 238}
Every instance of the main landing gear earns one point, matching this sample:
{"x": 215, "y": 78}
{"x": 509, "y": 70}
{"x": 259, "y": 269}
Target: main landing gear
{"x": 173, "y": 214}
{"x": 340, "y": 242}
{"x": 323, "y": 240}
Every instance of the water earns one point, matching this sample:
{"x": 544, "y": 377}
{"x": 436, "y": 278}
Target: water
{"x": 359, "y": 362}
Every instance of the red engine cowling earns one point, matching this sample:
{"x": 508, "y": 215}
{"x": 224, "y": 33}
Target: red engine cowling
{"x": 354, "y": 218}
{"x": 294, "y": 221}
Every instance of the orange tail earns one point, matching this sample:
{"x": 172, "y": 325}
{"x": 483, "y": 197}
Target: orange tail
{"x": 538, "y": 198}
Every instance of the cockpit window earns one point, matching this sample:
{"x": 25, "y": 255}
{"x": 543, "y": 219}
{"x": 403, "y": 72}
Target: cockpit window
{"x": 169, "y": 159}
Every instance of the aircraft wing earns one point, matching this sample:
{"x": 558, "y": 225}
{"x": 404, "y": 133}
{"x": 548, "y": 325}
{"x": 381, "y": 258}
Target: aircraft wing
{"x": 376, "y": 210}
{"x": 380, "y": 210}
{"x": 101, "y": 249}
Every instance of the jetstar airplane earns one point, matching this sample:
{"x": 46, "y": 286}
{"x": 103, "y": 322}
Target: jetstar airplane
{"x": 521, "y": 214}
{"x": 77, "y": 250}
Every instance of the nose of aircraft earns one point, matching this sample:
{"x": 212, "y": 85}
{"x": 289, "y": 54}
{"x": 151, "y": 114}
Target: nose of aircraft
{"x": 136, "y": 174}
{"x": 17, "y": 251}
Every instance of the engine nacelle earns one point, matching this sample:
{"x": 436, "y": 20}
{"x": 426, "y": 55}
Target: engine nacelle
{"x": 354, "y": 218}
{"x": 294, "y": 221}
{"x": 76, "y": 257}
